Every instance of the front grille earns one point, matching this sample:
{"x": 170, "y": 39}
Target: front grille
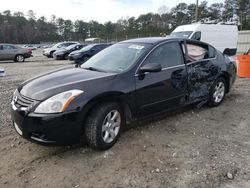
{"x": 23, "y": 101}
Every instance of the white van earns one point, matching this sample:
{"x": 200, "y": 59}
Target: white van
{"x": 221, "y": 36}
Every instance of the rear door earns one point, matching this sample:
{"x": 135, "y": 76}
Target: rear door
{"x": 165, "y": 89}
{"x": 202, "y": 69}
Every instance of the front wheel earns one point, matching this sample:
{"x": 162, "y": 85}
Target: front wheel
{"x": 218, "y": 92}
{"x": 102, "y": 128}
{"x": 85, "y": 58}
{"x": 65, "y": 56}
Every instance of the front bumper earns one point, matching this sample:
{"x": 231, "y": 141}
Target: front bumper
{"x": 58, "y": 56}
{"x": 46, "y": 53}
{"x": 48, "y": 129}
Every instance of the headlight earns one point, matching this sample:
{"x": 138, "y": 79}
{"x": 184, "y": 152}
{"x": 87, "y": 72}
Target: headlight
{"x": 58, "y": 103}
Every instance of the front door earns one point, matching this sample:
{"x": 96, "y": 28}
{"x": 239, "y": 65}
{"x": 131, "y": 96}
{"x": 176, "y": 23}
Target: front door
{"x": 9, "y": 52}
{"x": 165, "y": 89}
{"x": 1, "y": 53}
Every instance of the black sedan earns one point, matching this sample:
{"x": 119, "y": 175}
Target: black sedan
{"x": 63, "y": 53}
{"x": 80, "y": 56}
{"x": 124, "y": 82}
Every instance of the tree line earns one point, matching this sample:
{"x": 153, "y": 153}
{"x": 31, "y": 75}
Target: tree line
{"x": 20, "y": 28}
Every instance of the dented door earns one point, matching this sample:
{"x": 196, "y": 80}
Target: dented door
{"x": 201, "y": 70}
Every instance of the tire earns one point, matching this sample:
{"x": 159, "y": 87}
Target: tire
{"x": 103, "y": 125}
{"x": 85, "y": 58}
{"x": 51, "y": 54}
{"x": 218, "y": 92}
{"x": 19, "y": 58}
{"x": 65, "y": 56}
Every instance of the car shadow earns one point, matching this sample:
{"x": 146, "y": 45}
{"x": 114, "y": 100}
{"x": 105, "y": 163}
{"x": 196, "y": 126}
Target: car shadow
{"x": 4, "y": 62}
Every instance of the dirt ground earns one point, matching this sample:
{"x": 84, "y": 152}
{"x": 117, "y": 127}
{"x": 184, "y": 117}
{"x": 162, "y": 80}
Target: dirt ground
{"x": 207, "y": 147}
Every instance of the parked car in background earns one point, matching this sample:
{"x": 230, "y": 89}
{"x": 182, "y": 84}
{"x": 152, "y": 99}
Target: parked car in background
{"x": 49, "y": 51}
{"x": 124, "y": 82}
{"x": 63, "y": 53}
{"x": 80, "y": 56}
{"x": 13, "y": 52}
{"x": 30, "y": 47}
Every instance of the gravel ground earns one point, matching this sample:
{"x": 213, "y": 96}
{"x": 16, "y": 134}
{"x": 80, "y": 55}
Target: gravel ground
{"x": 207, "y": 147}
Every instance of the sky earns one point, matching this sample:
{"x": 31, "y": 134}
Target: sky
{"x": 86, "y": 10}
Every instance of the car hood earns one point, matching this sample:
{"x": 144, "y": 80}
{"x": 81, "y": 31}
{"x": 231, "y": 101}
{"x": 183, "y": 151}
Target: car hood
{"x": 60, "y": 51}
{"x": 52, "y": 48}
{"x": 49, "y": 84}
{"x": 75, "y": 52}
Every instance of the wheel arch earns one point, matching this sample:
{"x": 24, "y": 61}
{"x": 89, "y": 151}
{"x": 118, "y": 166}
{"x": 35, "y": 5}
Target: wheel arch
{"x": 116, "y": 97}
{"x": 226, "y": 77}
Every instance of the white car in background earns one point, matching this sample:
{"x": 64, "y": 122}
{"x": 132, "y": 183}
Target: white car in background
{"x": 49, "y": 51}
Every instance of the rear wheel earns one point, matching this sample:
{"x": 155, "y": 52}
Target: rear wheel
{"x": 218, "y": 92}
{"x": 19, "y": 58}
{"x": 102, "y": 128}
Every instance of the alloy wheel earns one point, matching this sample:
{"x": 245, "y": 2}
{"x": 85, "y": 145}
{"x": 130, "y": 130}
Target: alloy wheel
{"x": 219, "y": 92}
{"x": 111, "y": 126}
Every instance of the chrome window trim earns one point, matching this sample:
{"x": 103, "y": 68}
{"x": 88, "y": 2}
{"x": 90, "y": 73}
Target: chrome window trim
{"x": 176, "y": 66}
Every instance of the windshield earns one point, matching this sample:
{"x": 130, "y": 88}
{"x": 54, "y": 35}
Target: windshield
{"x": 182, "y": 34}
{"x": 87, "y": 47}
{"x": 71, "y": 46}
{"x": 116, "y": 58}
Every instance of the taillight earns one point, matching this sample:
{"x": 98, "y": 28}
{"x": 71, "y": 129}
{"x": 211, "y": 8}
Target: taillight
{"x": 30, "y": 51}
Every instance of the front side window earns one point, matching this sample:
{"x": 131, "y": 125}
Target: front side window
{"x": 86, "y": 48}
{"x": 8, "y": 47}
{"x": 167, "y": 55}
{"x": 197, "y": 36}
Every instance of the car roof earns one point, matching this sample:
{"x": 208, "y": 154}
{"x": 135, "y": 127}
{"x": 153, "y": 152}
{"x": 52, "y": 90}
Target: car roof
{"x": 151, "y": 40}
{"x": 7, "y": 44}
{"x": 157, "y": 40}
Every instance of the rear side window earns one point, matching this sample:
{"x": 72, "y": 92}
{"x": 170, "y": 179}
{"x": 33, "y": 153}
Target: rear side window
{"x": 211, "y": 52}
{"x": 167, "y": 55}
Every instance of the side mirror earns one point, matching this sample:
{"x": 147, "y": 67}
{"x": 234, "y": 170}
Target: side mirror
{"x": 150, "y": 67}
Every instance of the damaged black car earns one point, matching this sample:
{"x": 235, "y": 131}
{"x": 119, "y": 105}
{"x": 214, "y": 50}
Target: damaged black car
{"x": 125, "y": 82}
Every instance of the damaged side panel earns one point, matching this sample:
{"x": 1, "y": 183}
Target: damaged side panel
{"x": 201, "y": 75}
